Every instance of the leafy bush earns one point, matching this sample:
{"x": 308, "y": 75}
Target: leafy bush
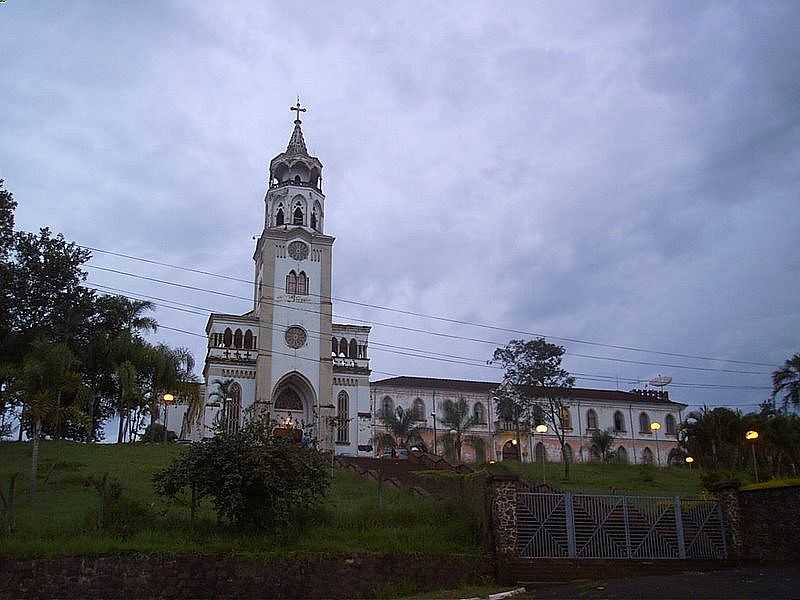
{"x": 115, "y": 513}
{"x": 251, "y": 477}
{"x": 155, "y": 433}
{"x": 712, "y": 480}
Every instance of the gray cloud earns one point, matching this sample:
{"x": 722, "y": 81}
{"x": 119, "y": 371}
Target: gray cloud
{"x": 616, "y": 172}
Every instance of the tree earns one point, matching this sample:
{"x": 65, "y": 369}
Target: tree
{"x": 534, "y": 369}
{"x": 786, "y": 381}
{"x": 252, "y": 478}
{"x": 46, "y": 376}
{"x": 403, "y": 429}
{"x": 457, "y": 419}
{"x": 602, "y": 441}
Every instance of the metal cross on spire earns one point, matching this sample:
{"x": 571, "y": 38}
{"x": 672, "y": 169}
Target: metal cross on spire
{"x": 297, "y": 110}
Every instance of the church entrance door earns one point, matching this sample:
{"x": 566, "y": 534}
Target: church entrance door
{"x": 510, "y": 451}
{"x": 293, "y": 402}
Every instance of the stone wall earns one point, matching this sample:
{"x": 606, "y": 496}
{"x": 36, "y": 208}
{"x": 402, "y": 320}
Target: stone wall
{"x": 768, "y": 524}
{"x": 357, "y": 576}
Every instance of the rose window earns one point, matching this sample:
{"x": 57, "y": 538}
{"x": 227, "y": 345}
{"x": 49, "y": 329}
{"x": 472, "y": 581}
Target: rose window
{"x": 295, "y": 337}
{"x": 298, "y": 250}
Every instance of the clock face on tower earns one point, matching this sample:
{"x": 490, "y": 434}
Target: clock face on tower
{"x": 298, "y": 250}
{"x": 295, "y": 337}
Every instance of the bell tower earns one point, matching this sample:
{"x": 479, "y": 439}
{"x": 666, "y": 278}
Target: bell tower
{"x": 292, "y": 294}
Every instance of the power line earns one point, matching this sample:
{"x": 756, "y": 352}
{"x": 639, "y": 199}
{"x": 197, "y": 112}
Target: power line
{"x": 439, "y": 317}
{"x": 414, "y": 352}
{"x": 414, "y": 329}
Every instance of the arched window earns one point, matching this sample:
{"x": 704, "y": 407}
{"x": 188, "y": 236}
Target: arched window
{"x": 298, "y": 216}
{"x": 248, "y": 340}
{"x": 353, "y": 348}
{"x": 647, "y": 456}
{"x": 622, "y": 455}
{"x": 342, "y": 414}
{"x": 343, "y": 348}
{"x": 619, "y": 421}
{"x": 279, "y": 216}
{"x": 566, "y": 419}
{"x": 232, "y": 409}
{"x": 297, "y": 178}
{"x": 334, "y": 347}
{"x": 289, "y": 400}
{"x": 670, "y": 422}
{"x": 314, "y": 220}
{"x": 480, "y": 413}
{"x": 591, "y": 419}
{"x": 302, "y": 283}
{"x": 540, "y": 453}
{"x": 568, "y": 454}
{"x": 418, "y": 409}
{"x": 291, "y": 282}
{"x": 227, "y": 337}
{"x": 237, "y": 339}
{"x": 387, "y": 406}
{"x": 644, "y": 423}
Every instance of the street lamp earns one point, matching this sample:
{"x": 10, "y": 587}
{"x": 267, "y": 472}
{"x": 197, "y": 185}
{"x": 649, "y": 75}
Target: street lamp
{"x": 752, "y": 436}
{"x": 542, "y": 428}
{"x": 689, "y": 460}
{"x": 654, "y": 427}
{"x": 168, "y": 398}
{"x": 433, "y": 414}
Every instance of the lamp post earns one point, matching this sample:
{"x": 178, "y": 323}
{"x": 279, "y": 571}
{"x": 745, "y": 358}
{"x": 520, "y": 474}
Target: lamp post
{"x": 168, "y": 398}
{"x": 542, "y": 428}
{"x": 752, "y": 436}
{"x": 654, "y": 427}
{"x": 689, "y": 460}
{"x": 433, "y": 414}
{"x": 453, "y": 433}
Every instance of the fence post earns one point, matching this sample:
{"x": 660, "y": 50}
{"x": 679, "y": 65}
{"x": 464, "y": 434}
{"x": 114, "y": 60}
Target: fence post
{"x": 679, "y": 528}
{"x": 570, "y": 514}
{"x": 627, "y": 525}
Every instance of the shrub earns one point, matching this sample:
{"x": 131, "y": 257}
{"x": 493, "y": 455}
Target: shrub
{"x": 155, "y": 433}
{"x": 251, "y": 477}
{"x": 712, "y": 480}
{"x": 115, "y": 513}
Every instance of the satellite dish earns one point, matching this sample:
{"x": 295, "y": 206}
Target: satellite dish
{"x": 660, "y": 381}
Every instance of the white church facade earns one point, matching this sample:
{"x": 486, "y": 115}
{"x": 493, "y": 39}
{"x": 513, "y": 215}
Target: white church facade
{"x": 286, "y": 361}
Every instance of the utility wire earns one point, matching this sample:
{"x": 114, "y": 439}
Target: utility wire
{"x": 437, "y": 317}
{"x": 416, "y": 330}
{"x": 414, "y": 352}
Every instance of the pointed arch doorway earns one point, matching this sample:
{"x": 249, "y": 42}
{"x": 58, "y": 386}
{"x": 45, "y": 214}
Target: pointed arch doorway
{"x": 511, "y": 450}
{"x": 293, "y": 401}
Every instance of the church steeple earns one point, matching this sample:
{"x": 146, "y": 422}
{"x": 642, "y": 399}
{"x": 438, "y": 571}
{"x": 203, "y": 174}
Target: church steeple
{"x": 297, "y": 145}
{"x": 296, "y": 166}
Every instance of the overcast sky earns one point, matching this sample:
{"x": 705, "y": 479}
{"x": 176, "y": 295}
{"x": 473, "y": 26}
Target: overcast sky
{"x": 618, "y": 172}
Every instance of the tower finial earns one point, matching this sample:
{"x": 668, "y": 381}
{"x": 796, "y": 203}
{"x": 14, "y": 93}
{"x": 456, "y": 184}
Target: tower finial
{"x": 297, "y": 110}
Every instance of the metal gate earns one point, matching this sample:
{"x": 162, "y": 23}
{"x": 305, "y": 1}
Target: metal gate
{"x": 626, "y": 527}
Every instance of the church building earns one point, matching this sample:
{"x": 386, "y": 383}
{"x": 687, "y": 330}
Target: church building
{"x": 287, "y": 361}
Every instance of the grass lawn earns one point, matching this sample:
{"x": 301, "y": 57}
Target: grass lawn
{"x": 354, "y": 518}
{"x": 597, "y": 478}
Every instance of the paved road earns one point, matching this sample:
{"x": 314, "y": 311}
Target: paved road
{"x": 747, "y": 582}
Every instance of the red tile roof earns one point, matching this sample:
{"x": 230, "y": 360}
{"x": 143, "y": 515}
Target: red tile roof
{"x": 647, "y": 396}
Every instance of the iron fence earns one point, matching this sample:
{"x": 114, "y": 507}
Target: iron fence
{"x": 618, "y": 527}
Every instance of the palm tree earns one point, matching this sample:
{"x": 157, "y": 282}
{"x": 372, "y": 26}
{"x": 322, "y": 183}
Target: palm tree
{"x": 403, "y": 428}
{"x": 458, "y": 418}
{"x": 786, "y": 381}
{"x": 46, "y": 375}
{"x": 134, "y": 318}
{"x": 601, "y": 444}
